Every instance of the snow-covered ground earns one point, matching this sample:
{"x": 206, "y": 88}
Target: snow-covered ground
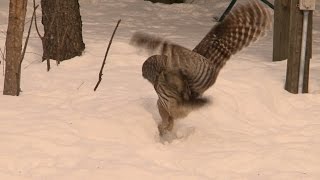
{"x": 59, "y": 128}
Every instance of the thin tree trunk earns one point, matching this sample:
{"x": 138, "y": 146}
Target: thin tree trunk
{"x": 17, "y": 14}
{"x": 62, "y": 29}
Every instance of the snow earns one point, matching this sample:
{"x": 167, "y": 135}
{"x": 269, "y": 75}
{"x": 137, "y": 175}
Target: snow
{"x": 59, "y": 128}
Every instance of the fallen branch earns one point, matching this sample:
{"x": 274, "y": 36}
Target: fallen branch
{"x": 105, "y": 57}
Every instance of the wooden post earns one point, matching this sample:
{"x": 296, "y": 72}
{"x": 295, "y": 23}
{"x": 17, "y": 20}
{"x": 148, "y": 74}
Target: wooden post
{"x": 294, "y": 49}
{"x": 281, "y": 29}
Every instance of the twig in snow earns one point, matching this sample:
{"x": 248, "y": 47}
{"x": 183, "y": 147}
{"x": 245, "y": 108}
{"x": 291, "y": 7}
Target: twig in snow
{"x": 105, "y": 57}
{"x": 80, "y": 85}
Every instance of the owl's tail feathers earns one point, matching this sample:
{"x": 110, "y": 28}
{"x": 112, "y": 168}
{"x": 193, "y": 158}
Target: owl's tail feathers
{"x": 197, "y": 102}
{"x": 151, "y": 43}
{"x": 160, "y": 46}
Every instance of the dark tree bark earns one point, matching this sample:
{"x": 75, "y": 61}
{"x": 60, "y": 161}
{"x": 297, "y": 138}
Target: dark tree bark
{"x": 17, "y": 14}
{"x": 62, "y": 23}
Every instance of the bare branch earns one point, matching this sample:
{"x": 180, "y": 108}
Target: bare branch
{"x": 3, "y": 55}
{"x": 27, "y": 39}
{"x": 105, "y": 57}
{"x": 35, "y": 20}
{"x": 25, "y": 47}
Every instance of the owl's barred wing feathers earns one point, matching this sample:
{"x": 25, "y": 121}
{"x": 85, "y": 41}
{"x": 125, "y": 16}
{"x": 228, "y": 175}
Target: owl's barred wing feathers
{"x": 194, "y": 67}
{"x": 243, "y": 25}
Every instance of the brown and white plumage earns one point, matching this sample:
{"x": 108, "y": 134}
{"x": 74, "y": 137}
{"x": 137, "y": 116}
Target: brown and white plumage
{"x": 243, "y": 25}
{"x": 197, "y": 70}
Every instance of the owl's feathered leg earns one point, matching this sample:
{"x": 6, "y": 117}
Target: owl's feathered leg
{"x": 172, "y": 92}
{"x": 167, "y": 122}
{"x": 175, "y": 100}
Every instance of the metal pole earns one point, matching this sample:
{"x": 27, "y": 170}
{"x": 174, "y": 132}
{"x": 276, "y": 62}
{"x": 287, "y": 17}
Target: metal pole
{"x": 232, "y": 4}
{"x": 227, "y": 10}
{"x": 303, "y": 49}
{"x": 268, "y": 3}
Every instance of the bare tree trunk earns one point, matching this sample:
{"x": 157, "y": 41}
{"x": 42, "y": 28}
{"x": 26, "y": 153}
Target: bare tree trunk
{"x": 62, "y": 29}
{"x": 17, "y": 14}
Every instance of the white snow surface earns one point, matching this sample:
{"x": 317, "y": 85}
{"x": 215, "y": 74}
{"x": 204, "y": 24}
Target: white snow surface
{"x": 59, "y": 128}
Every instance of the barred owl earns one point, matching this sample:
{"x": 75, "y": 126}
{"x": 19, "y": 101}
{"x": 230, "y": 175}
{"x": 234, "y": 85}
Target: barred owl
{"x": 180, "y": 76}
